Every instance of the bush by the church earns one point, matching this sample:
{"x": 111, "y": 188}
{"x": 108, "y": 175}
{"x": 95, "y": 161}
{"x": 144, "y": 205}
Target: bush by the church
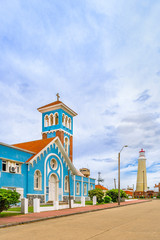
{"x": 113, "y": 193}
{"x": 107, "y": 199}
{"x": 98, "y": 193}
{"x": 7, "y": 198}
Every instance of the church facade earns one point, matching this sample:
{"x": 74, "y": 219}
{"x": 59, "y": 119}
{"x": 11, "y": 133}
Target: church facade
{"x": 44, "y": 168}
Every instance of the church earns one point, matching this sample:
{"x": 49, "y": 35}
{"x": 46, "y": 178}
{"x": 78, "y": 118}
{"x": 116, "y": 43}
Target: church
{"x": 44, "y": 168}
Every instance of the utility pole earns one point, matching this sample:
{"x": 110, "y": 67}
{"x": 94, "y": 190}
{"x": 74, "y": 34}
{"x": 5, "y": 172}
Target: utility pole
{"x": 69, "y": 190}
{"x": 99, "y": 178}
{"x": 115, "y": 183}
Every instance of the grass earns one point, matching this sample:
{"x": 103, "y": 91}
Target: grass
{"x": 8, "y": 214}
{"x": 87, "y": 202}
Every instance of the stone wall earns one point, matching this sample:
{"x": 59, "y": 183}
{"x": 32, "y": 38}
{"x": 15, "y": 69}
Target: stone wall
{"x": 32, "y": 196}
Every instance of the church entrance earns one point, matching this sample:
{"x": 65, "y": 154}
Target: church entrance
{"x": 53, "y": 188}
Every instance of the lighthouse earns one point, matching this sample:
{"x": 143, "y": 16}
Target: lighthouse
{"x": 141, "y": 186}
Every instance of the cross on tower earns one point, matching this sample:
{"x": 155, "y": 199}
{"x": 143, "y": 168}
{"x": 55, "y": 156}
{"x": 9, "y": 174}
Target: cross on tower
{"x": 58, "y": 97}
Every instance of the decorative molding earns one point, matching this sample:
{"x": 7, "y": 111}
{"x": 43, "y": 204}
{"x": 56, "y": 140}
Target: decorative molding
{"x": 55, "y": 130}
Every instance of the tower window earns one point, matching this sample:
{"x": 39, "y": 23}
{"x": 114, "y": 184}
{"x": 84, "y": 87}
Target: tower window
{"x": 46, "y": 121}
{"x": 66, "y": 145}
{"x": 51, "y": 119}
{"x": 56, "y": 118}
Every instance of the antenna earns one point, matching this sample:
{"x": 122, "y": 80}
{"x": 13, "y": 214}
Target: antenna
{"x": 99, "y": 178}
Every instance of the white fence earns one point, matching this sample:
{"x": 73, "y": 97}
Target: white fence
{"x": 37, "y": 208}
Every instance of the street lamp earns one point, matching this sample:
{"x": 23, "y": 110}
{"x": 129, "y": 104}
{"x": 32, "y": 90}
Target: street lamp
{"x": 119, "y": 174}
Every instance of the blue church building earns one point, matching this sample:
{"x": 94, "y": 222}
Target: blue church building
{"x": 44, "y": 168}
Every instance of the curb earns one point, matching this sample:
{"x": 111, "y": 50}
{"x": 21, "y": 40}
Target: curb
{"x": 66, "y": 215}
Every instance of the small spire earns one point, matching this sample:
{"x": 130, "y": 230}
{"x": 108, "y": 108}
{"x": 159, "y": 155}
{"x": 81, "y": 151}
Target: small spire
{"x": 58, "y": 97}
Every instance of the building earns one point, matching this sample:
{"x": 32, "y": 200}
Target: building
{"x": 104, "y": 189}
{"x": 43, "y": 168}
{"x": 85, "y": 172}
{"x": 141, "y": 186}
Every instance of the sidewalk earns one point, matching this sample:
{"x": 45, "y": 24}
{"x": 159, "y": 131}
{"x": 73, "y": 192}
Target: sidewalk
{"x": 34, "y": 217}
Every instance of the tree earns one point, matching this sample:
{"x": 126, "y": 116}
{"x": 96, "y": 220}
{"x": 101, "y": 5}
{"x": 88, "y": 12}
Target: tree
{"x": 96, "y": 192}
{"x": 113, "y": 193}
{"x": 7, "y": 198}
{"x": 107, "y": 199}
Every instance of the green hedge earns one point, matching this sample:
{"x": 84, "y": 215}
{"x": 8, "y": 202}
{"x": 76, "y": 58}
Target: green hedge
{"x": 7, "y": 198}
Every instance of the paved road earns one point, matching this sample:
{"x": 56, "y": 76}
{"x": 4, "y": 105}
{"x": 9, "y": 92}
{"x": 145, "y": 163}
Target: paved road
{"x": 135, "y": 222}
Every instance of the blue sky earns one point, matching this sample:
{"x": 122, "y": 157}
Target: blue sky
{"x": 103, "y": 58}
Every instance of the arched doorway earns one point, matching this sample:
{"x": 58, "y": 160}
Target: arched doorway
{"x": 53, "y": 188}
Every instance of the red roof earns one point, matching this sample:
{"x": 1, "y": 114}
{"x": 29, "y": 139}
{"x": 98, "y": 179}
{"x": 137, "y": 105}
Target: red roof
{"x": 128, "y": 192}
{"x": 50, "y": 104}
{"x": 34, "y": 146}
{"x": 101, "y": 187}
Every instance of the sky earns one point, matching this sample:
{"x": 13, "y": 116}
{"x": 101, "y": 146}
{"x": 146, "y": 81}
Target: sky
{"x": 102, "y": 57}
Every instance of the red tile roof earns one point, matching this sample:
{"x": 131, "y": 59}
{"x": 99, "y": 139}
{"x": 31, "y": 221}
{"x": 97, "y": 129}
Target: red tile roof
{"x": 50, "y": 104}
{"x": 101, "y": 187}
{"x": 128, "y": 192}
{"x": 34, "y": 146}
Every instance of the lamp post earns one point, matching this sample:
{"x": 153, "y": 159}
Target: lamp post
{"x": 119, "y": 174}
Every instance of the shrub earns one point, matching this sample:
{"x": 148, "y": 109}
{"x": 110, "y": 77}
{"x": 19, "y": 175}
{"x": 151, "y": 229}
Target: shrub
{"x": 113, "y": 193}
{"x": 7, "y": 198}
{"x": 98, "y": 193}
{"x": 107, "y": 199}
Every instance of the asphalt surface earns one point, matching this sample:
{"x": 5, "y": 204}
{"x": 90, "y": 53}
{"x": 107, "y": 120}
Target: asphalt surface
{"x": 132, "y": 222}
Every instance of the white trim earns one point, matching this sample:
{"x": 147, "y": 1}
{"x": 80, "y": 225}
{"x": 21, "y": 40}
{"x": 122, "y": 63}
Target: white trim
{"x": 57, "y": 106}
{"x": 74, "y": 187}
{"x": 51, "y": 154}
{"x": 59, "y": 129}
{"x": 11, "y": 146}
{"x": 82, "y": 187}
{"x": 11, "y": 160}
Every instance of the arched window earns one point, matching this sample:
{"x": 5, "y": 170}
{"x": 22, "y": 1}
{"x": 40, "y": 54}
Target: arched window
{"x": 66, "y": 121}
{"x": 46, "y": 121}
{"x": 56, "y": 118}
{"x": 63, "y": 119}
{"x": 77, "y": 188}
{"x": 69, "y": 123}
{"x": 66, "y": 145}
{"x": 37, "y": 180}
{"x": 51, "y": 120}
{"x": 85, "y": 189}
{"x": 66, "y": 187}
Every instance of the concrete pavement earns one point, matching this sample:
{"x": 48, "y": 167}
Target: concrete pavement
{"x": 138, "y": 221}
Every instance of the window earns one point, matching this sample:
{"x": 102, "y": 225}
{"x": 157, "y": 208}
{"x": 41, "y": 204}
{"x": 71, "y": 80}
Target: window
{"x": 63, "y": 119}
{"x": 69, "y": 123}
{"x": 66, "y": 122}
{"x": 85, "y": 189}
{"x": 46, "y": 121}
{"x": 91, "y": 187}
{"x": 4, "y": 166}
{"x": 66, "y": 145}
{"x": 51, "y": 119}
{"x": 53, "y": 164}
{"x": 77, "y": 188}
{"x": 56, "y": 118}
{"x": 18, "y": 167}
{"x": 66, "y": 184}
{"x": 37, "y": 180}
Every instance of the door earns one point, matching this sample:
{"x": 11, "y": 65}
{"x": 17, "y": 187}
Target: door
{"x": 53, "y": 188}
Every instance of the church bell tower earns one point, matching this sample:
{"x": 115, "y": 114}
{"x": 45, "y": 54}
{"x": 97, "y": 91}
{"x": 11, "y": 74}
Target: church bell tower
{"x": 57, "y": 120}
